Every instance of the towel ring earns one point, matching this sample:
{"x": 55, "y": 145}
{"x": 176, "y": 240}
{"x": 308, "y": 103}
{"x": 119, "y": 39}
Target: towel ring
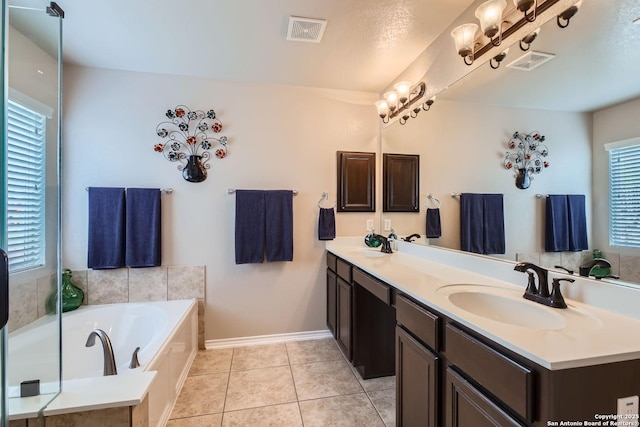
{"x": 325, "y": 196}
{"x": 433, "y": 199}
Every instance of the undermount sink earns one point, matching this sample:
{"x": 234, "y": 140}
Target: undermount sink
{"x": 503, "y": 305}
{"x": 371, "y": 253}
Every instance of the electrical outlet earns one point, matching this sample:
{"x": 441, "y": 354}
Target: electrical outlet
{"x": 628, "y": 410}
{"x": 369, "y": 224}
{"x": 387, "y": 225}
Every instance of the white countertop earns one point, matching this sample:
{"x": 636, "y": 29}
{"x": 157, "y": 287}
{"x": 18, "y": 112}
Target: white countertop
{"x": 590, "y": 335}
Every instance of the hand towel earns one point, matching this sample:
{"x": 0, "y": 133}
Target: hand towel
{"x": 434, "y": 229}
{"x": 493, "y": 232}
{"x": 471, "y": 222}
{"x": 143, "y": 228}
{"x": 250, "y": 226}
{"x": 106, "y": 228}
{"x": 577, "y": 220}
{"x": 556, "y": 223}
{"x": 279, "y": 225}
{"x": 327, "y": 224}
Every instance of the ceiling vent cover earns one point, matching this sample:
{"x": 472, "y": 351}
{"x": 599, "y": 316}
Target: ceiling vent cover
{"x": 306, "y": 29}
{"x": 531, "y": 60}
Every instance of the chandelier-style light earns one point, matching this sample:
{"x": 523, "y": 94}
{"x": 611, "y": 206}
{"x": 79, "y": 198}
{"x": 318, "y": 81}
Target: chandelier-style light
{"x": 490, "y": 14}
{"x": 399, "y": 102}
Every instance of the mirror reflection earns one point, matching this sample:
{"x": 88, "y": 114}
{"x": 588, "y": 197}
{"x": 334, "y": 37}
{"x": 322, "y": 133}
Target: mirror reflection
{"x": 586, "y": 96}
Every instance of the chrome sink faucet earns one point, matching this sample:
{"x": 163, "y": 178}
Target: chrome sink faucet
{"x": 107, "y": 350}
{"x": 540, "y": 293}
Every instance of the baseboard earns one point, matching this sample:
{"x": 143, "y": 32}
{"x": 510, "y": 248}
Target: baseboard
{"x": 267, "y": 339}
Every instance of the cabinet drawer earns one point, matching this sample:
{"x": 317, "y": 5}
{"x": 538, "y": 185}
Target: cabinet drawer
{"x": 331, "y": 261}
{"x": 343, "y": 269}
{"x": 420, "y": 322}
{"x": 381, "y": 290}
{"x": 503, "y": 377}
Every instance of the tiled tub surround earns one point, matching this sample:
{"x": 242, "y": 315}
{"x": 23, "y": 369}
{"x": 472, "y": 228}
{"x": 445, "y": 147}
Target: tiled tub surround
{"x": 625, "y": 266}
{"x": 122, "y": 285}
{"x": 281, "y": 384}
{"x": 419, "y": 271}
{"x": 143, "y": 396}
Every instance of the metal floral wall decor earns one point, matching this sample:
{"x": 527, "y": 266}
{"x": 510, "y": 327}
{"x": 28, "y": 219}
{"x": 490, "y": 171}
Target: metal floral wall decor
{"x": 188, "y": 136}
{"x": 528, "y": 158}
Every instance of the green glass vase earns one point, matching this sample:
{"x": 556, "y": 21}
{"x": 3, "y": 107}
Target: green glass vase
{"x": 72, "y": 296}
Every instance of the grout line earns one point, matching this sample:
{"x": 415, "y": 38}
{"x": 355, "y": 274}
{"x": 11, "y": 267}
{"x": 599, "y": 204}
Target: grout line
{"x": 226, "y": 392}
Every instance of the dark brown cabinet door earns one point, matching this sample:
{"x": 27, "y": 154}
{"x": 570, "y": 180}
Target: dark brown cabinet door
{"x": 468, "y": 407}
{"x": 416, "y": 382}
{"x": 356, "y": 181}
{"x": 401, "y": 188}
{"x": 331, "y": 301}
{"x": 343, "y": 324}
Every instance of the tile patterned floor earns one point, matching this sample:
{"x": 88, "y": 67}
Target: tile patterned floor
{"x": 302, "y": 383}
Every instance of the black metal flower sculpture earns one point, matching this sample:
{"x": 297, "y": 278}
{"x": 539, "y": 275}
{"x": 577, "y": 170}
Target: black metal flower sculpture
{"x": 528, "y": 157}
{"x": 188, "y": 137}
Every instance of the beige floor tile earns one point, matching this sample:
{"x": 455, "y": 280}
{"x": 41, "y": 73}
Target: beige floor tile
{"x": 212, "y": 362}
{"x": 267, "y": 416}
{"x": 353, "y": 410}
{"x": 374, "y": 384}
{"x": 324, "y": 379}
{"x": 201, "y": 395}
{"x": 259, "y": 387}
{"x": 313, "y": 351}
{"x": 259, "y": 356}
{"x": 214, "y": 420}
{"x": 385, "y": 403}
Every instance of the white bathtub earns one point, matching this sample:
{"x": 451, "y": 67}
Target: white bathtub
{"x": 165, "y": 331}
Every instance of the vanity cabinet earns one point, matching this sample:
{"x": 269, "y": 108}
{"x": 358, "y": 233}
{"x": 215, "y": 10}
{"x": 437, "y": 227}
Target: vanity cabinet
{"x": 344, "y": 312}
{"x": 332, "y": 285}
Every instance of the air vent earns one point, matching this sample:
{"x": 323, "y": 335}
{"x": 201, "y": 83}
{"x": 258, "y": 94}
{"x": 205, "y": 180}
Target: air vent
{"x": 306, "y": 29}
{"x": 531, "y": 60}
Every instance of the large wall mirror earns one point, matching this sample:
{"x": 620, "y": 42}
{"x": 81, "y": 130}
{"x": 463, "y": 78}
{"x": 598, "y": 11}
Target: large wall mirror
{"x": 583, "y": 98}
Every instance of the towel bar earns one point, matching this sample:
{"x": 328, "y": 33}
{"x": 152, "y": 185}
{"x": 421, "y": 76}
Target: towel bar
{"x": 164, "y": 190}
{"x": 233, "y": 190}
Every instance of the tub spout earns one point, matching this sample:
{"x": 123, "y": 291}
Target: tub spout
{"x": 107, "y": 350}
{"x": 134, "y": 359}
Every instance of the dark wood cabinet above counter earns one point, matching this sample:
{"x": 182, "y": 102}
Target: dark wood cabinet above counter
{"x": 356, "y": 181}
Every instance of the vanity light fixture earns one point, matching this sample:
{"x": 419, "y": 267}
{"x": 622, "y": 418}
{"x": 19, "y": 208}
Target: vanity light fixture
{"x": 398, "y": 102}
{"x": 496, "y": 60}
{"x": 526, "y": 41}
{"x": 490, "y": 14}
{"x": 524, "y": 6}
{"x": 564, "y": 18}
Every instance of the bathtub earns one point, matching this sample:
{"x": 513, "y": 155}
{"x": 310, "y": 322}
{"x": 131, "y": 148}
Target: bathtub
{"x": 165, "y": 331}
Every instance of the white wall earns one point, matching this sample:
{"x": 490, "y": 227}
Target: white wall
{"x": 462, "y": 148}
{"x": 612, "y": 124}
{"x": 279, "y": 138}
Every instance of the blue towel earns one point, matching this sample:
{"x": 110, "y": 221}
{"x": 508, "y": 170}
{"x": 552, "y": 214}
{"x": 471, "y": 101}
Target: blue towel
{"x": 556, "y": 223}
{"x": 250, "y": 226}
{"x": 577, "y": 222}
{"x": 144, "y": 230}
{"x": 493, "y": 233}
{"x": 279, "y": 225}
{"x": 482, "y": 223}
{"x": 471, "y": 222}
{"x": 434, "y": 230}
{"x": 327, "y": 224}
{"x": 106, "y": 228}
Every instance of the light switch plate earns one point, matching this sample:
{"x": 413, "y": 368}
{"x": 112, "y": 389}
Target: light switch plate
{"x": 628, "y": 410}
{"x": 369, "y": 224}
{"x": 387, "y": 225}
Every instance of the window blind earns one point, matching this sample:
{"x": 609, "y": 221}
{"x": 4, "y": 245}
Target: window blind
{"x": 25, "y": 187}
{"x": 624, "y": 196}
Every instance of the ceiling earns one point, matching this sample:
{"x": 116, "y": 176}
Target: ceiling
{"x": 365, "y": 46}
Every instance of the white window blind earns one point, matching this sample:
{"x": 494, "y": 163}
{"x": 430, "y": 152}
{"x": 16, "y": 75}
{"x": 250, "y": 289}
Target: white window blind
{"x": 624, "y": 196}
{"x": 25, "y": 187}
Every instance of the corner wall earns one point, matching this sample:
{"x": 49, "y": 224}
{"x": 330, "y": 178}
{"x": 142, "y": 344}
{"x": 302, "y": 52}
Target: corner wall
{"x": 280, "y": 137}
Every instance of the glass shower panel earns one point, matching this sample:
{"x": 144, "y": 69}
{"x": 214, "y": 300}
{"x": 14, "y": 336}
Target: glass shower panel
{"x": 30, "y": 187}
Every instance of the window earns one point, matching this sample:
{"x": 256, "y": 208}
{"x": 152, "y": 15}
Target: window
{"x": 624, "y": 193}
{"x": 25, "y": 187}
